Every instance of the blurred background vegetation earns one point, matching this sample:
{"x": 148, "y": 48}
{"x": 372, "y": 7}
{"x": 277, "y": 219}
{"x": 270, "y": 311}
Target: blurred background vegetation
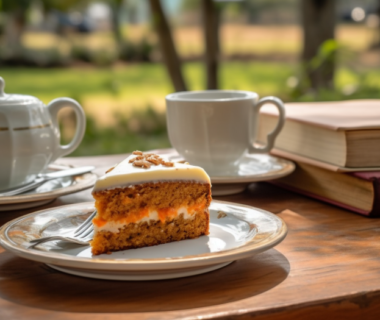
{"x": 119, "y": 58}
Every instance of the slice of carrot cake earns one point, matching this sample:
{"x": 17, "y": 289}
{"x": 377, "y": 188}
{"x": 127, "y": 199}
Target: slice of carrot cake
{"x": 146, "y": 200}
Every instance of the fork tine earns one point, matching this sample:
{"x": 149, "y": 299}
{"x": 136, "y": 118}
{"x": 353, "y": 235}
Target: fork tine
{"x": 84, "y": 226}
{"x": 85, "y": 233}
{"x": 89, "y": 226}
{"x": 89, "y": 237}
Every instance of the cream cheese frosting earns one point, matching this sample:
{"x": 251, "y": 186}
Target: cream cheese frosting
{"x": 125, "y": 174}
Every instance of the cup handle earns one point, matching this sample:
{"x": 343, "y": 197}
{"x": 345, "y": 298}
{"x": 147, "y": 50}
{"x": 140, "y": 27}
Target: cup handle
{"x": 281, "y": 120}
{"x": 54, "y": 107}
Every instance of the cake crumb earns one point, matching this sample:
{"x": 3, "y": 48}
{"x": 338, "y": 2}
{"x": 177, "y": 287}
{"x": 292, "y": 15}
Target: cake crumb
{"x": 221, "y": 214}
{"x": 183, "y": 162}
{"x": 110, "y": 169}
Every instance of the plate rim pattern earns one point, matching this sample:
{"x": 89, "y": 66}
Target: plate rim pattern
{"x": 243, "y": 251}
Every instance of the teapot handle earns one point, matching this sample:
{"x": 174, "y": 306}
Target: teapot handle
{"x": 54, "y": 107}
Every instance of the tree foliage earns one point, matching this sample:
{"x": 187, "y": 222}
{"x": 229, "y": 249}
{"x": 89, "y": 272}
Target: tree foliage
{"x": 12, "y": 5}
{"x": 62, "y": 5}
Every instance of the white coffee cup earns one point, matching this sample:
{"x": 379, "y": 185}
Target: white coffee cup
{"x": 215, "y": 128}
{"x": 30, "y": 136}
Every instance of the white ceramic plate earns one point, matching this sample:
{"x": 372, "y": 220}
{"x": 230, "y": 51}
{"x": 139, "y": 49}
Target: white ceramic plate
{"x": 252, "y": 168}
{"x": 48, "y": 191}
{"x": 243, "y": 232}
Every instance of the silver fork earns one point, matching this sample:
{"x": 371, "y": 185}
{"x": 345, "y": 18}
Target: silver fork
{"x": 81, "y": 235}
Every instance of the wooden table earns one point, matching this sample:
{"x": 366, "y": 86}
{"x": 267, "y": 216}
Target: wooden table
{"x": 328, "y": 267}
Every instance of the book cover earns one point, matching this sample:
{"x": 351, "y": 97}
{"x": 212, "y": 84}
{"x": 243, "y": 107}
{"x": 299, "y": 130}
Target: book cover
{"x": 339, "y": 136}
{"x": 336, "y": 115}
{"x": 356, "y": 191}
{"x": 318, "y": 163}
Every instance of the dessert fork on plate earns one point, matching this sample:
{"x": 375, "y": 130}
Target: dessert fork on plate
{"x": 81, "y": 235}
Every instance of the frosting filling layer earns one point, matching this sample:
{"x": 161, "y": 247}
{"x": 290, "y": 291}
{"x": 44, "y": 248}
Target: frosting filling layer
{"x": 114, "y": 226}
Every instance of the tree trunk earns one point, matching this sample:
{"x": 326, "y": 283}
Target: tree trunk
{"x": 170, "y": 56}
{"x": 13, "y": 31}
{"x": 376, "y": 42}
{"x": 211, "y": 20}
{"x": 318, "y": 19}
{"x": 115, "y": 7}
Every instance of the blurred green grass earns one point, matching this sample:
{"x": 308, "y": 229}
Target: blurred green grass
{"x": 137, "y": 85}
{"x": 145, "y": 79}
{"x": 125, "y": 103}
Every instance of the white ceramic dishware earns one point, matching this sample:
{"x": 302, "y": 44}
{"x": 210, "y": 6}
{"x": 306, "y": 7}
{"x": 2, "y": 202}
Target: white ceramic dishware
{"x": 236, "y": 232}
{"x": 48, "y": 191}
{"x": 251, "y": 168}
{"x": 43, "y": 177}
{"x": 30, "y": 136}
{"x": 215, "y": 128}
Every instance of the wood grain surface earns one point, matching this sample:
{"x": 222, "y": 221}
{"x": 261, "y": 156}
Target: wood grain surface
{"x": 328, "y": 267}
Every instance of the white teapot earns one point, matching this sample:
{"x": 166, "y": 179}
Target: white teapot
{"x": 30, "y": 136}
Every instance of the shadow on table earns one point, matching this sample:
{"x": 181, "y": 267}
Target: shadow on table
{"x": 35, "y": 285}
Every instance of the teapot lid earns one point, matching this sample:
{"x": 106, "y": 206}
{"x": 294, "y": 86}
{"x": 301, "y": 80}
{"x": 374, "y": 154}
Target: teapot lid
{"x": 14, "y": 99}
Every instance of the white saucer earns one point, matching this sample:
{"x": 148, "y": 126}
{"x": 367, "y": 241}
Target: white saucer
{"x": 48, "y": 191}
{"x": 24, "y": 205}
{"x": 252, "y": 168}
{"x": 242, "y": 232}
{"x": 138, "y": 275}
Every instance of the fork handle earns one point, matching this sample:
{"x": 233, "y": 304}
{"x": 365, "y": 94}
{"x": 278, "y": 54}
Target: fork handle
{"x": 47, "y": 239}
{"x": 42, "y": 240}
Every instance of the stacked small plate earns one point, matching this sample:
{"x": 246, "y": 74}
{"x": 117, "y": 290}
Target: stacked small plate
{"x": 48, "y": 191}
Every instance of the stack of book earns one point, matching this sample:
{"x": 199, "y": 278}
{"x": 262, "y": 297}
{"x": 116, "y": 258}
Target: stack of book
{"x": 336, "y": 148}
